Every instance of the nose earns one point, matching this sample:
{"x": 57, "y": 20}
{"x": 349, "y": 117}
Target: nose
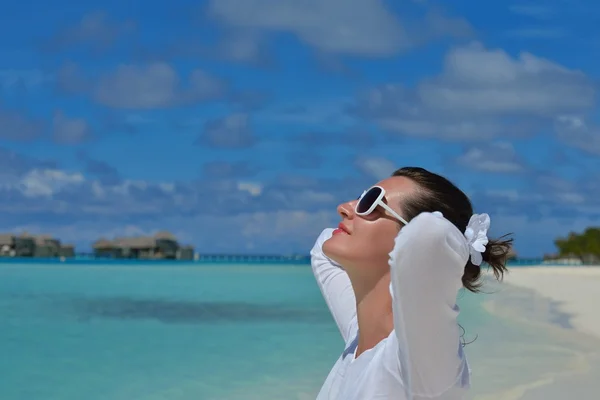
{"x": 346, "y": 210}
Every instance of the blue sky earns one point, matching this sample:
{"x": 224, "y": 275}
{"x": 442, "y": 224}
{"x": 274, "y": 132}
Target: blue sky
{"x": 239, "y": 125}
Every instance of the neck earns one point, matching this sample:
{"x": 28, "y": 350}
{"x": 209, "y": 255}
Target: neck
{"x": 374, "y": 314}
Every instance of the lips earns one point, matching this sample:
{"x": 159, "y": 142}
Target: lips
{"x": 341, "y": 229}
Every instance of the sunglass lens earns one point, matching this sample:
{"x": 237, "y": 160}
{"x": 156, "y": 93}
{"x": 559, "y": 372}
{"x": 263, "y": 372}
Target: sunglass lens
{"x": 367, "y": 200}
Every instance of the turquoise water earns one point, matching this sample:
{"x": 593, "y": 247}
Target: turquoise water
{"x": 200, "y": 332}
{"x": 161, "y": 332}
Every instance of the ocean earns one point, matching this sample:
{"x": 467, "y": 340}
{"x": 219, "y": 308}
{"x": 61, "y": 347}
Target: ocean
{"x": 227, "y": 332}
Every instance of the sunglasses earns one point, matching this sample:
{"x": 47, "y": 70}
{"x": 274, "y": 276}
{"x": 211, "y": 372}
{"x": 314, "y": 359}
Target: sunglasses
{"x": 370, "y": 199}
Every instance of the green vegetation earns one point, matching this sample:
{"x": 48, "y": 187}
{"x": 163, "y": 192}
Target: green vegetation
{"x": 585, "y": 246}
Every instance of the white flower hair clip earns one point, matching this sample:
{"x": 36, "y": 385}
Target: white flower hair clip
{"x": 476, "y": 235}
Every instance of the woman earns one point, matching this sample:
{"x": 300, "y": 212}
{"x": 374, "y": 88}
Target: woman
{"x": 390, "y": 274}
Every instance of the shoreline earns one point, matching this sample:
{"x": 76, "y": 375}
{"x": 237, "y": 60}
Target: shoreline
{"x": 573, "y": 292}
{"x": 556, "y": 303}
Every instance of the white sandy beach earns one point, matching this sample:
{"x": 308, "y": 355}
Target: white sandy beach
{"x": 576, "y": 289}
{"x": 561, "y": 305}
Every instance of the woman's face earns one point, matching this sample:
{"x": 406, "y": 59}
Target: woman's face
{"x": 363, "y": 243}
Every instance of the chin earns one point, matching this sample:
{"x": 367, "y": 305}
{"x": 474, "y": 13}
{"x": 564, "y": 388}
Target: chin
{"x": 328, "y": 246}
{"x": 337, "y": 250}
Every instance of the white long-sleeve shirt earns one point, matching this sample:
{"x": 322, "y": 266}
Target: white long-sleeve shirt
{"x": 422, "y": 358}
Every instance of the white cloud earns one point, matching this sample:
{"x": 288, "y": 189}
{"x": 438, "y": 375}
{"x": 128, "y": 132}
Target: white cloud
{"x": 579, "y": 133}
{"x": 311, "y": 112}
{"x": 481, "y": 94}
{"x": 94, "y": 29}
{"x": 284, "y": 215}
{"x": 364, "y": 26}
{"x": 356, "y": 27}
{"x": 38, "y": 183}
{"x": 232, "y": 131}
{"x": 494, "y": 157}
{"x": 548, "y": 196}
{"x": 244, "y": 47}
{"x": 30, "y": 187}
{"x": 70, "y": 130}
{"x": 492, "y": 82}
{"x": 255, "y": 189}
{"x": 80, "y": 210}
{"x": 156, "y": 85}
{"x": 275, "y": 232}
{"x": 376, "y": 167}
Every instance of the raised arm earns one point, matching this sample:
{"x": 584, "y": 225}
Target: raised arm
{"x": 427, "y": 265}
{"x": 335, "y": 286}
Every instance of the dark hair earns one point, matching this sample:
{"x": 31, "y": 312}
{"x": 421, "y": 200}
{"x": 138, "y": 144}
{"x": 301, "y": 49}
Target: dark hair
{"x": 439, "y": 194}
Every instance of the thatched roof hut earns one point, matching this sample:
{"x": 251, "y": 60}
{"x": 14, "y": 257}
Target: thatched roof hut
{"x": 7, "y": 239}
{"x": 142, "y": 242}
{"x": 41, "y": 240}
{"x": 165, "y": 235}
{"x": 103, "y": 244}
{"x": 162, "y": 245}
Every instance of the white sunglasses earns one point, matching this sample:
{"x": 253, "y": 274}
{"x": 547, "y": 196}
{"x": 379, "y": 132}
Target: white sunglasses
{"x": 372, "y": 198}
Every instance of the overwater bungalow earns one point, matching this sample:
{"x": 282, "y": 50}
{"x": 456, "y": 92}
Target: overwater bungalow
{"x": 25, "y": 245}
{"x": 46, "y": 246}
{"x": 6, "y": 244}
{"x": 67, "y": 250}
{"x": 186, "y": 253}
{"x": 39, "y": 246}
{"x": 105, "y": 248}
{"x": 162, "y": 246}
